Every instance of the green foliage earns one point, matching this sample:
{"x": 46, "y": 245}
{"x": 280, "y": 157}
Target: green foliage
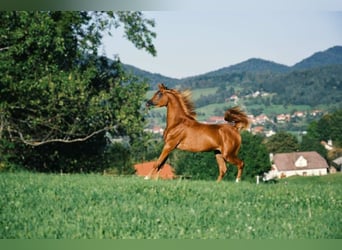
{"x": 325, "y": 129}
{"x": 57, "y": 96}
{"x": 329, "y": 128}
{"x": 118, "y": 159}
{"x": 255, "y": 155}
{"x": 41, "y": 206}
{"x": 198, "y": 166}
{"x": 8, "y": 161}
{"x": 312, "y": 144}
{"x": 137, "y": 30}
{"x": 282, "y": 142}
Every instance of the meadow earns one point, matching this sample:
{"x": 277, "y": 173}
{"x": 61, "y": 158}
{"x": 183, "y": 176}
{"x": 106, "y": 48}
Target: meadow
{"x": 93, "y": 206}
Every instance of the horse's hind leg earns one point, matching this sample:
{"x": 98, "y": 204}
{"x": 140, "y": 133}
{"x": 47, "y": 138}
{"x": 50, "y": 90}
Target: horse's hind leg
{"x": 239, "y": 164}
{"x": 233, "y": 159}
{"x": 221, "y": 164}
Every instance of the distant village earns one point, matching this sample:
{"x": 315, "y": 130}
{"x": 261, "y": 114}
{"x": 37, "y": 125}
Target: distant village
{"x": 260, "y": 124}
{"x": 257, "y": 122}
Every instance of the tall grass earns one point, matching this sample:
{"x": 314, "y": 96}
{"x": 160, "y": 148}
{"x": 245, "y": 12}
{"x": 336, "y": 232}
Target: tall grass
{"x": 98, "y": 207}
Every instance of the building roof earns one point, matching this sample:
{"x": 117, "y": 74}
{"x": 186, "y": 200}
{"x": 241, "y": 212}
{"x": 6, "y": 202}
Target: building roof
{"x": 299, "y": 161}
{"x": 143, "y": 169}
{"x": 216, "y": 119}
{"x": 338, "y": 161}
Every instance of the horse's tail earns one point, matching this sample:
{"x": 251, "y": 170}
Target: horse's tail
{"x": 237, "y": 117}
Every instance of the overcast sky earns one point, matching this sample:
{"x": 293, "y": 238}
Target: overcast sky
{"x": 194, "y": 41}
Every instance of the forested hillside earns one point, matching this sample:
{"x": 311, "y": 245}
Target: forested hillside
{"x": 332, "y": 56}
{"x": 278, "y": 97}
{"x": 316, "y": 80}
{"x": 312, "y": 87}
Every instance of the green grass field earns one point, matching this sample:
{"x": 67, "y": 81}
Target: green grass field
{"x": 93, "y": 206}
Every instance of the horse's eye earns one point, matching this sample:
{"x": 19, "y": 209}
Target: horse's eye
{"x": 160, "y": 94}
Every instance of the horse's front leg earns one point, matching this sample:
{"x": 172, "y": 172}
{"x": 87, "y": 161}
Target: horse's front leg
{"x": 221, "y": 164}
{"x": 160, "y": 162}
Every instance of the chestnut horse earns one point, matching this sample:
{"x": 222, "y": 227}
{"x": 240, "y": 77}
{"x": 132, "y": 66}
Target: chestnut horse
{"x": 184, "y": 132}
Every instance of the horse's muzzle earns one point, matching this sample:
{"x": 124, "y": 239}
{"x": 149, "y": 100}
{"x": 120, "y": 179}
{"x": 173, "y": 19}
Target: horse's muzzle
{"x": 149, "y": 103}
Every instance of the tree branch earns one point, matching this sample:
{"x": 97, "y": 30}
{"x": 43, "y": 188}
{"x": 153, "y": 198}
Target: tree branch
{"x": 4, "y": 48}
{"x": 39, "y": 143}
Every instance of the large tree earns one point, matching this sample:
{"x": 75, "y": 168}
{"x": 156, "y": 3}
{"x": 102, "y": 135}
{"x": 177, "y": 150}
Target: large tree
{"x": 325, "y": 129}
{"x": 282, "y": 142}
{"x": 55, "y": 89}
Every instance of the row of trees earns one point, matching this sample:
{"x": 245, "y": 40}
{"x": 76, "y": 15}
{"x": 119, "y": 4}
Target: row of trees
{"x": 59, "y": 99}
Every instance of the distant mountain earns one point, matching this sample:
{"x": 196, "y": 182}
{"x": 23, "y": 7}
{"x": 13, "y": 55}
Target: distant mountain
{"x": 258, "y": 65}
{"x": 253, "y": 65}
{"x": 152, "y": 78}
{"x": 239, "y": 72}
{"x": 332, "y": 56}
{"x": 314, "y": 83}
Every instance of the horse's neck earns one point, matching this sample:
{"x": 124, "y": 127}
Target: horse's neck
{"x": 175, "y": 112}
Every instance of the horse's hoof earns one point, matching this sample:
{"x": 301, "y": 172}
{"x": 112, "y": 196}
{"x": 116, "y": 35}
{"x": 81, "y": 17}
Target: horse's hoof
{"x": 237, "y": 180}
{"x": 147, "y": 178}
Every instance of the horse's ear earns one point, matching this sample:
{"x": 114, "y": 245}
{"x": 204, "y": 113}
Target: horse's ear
{"x": 161, "y": 86}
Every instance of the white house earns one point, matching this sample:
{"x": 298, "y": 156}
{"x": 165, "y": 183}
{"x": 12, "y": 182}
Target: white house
{"x": 297, "y": 163}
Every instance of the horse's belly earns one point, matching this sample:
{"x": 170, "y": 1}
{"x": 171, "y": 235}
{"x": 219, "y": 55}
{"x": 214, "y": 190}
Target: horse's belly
{"x": 199, "y": 143}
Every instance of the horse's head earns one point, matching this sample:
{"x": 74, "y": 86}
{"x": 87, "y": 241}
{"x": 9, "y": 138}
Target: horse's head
{"x": 159, "y": 98}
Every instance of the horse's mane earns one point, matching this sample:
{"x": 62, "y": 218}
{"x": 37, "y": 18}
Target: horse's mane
{"x": 186, "y": 102}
